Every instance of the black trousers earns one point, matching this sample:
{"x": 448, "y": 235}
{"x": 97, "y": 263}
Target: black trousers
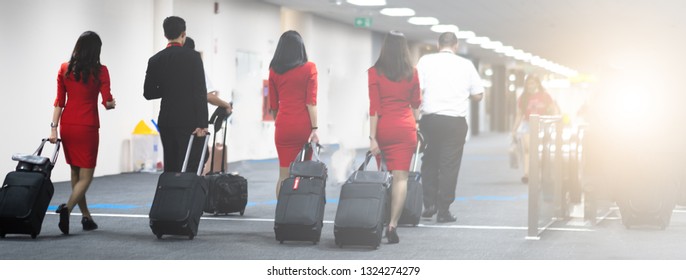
{"x": 175, "y": 143}
{"x": 445, "y": 138}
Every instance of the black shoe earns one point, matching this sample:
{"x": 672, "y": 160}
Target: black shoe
{"x": 429, "y": 212}
{"x": 445, "y": 217}
{"x": 88, "y": 224}
{"x": 392, "y": 236}
{"x": 64, "y": 218}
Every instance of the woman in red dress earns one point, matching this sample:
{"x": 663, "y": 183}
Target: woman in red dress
{"x": 534, "y": 100}
{"x": 394, "y": 99}
{"x": 78, "y": 83}
{"x": 292, "y": 100}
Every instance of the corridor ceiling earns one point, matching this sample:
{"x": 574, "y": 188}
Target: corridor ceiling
{"x": 584, "y": 35}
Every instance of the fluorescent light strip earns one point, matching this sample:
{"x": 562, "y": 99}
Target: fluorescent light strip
{"x": 367, "y": 2}
{"x": 441, "y": 28}
{"x": 423, "y": 20}
{"x": 397, "y": 12}
{"x": 478, "y": 40}
{"x": 465, "y": 34}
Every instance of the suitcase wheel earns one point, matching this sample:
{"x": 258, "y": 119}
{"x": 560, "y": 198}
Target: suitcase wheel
{"x": 243, "y": 211}
{"x": 34, "y": 235}
{"x": 280, "y": 241}
{"x": 2, "y": 235}
{"x": 159, "y": 236}
{"x": 190, "y": 237}
{"x": 315, "y": 242}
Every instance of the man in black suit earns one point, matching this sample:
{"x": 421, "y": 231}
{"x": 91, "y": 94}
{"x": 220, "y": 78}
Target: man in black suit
{"x": 176, "y": 75}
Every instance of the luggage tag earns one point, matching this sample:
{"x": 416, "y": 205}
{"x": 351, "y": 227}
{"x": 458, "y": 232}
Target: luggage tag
{"x": 296, "y": 183}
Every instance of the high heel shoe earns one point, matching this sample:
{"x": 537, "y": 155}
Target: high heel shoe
{"x": 64, "y": 218}
{"x": 88, "y": 224}
{"x": 392, "y": 235}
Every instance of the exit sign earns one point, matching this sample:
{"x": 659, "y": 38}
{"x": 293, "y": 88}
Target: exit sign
{"x": 364, "y": 22}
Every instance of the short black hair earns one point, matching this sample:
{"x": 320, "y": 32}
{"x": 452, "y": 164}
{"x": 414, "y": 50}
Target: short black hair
{"x": 447, "y": 39}
{"x": 173, "y": 27}
{"x": 190, "y": 43}
{"x": 290, "y": 52}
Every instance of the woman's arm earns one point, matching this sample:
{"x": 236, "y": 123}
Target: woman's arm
{"x": 312, "y": 110}
{"x": 373, "y": 144}
{"x": 56, "y": 115}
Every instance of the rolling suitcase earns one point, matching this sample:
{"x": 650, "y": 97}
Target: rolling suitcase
{"x": 179, "y": 200}
{"x": 227, "y": 193}
{"x": 300, "y": 208}
{"x": 26, "y": 193}
{"x": 647, "y": 208}
{"x": 412, "y": 210}
{"x": 362, "y": 207}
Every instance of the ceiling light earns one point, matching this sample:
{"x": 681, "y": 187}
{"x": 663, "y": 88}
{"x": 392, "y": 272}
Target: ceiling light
{"x": 465, "y": 34}
{"x": 504, "y": 49}
{"x": 441, "y": 28}
{"x": 397, "y": 12}
{"x": 478, "y": 40}
{"x": 423, "y": 20}
{"x": 492, "y": 45}
{"x": 367, "y": 2}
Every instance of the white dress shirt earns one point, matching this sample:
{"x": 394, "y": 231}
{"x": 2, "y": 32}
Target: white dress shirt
{"x": 447, "y": 81}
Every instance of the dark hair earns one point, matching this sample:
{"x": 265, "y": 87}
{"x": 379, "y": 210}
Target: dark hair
{"x": 173, "y": 27}
{"x": 85, "y": 58}
{"x": 394, "y": 60}
{"x": 190, "y": 43}
{"x": 290, "y": 52}
{"x": 447, "y": 39}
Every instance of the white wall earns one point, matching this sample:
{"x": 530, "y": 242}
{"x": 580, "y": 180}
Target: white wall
{"x": 38, "y": 36}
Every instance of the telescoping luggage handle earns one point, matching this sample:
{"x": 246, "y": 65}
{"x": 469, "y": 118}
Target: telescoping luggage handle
{"x": 369, "y": 157}
{"x": 202, "y": 156}
{"x": 224, "y": 120}
{"x": 420, "y": 141}
{"x": 316, "y": 148}
{"x": 35, "y": 158}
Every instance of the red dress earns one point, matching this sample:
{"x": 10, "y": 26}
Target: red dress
{"x": 396, "y": 130}
{"x": 79, "y": 123}
{"x": 290, "y": 93}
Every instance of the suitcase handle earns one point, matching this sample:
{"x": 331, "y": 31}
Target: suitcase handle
{"x": 368, "y": 157}
{"x": 202, "y": 155}
{"x": 224, "y": 122}
{"x": 315, "y": 152}
{"x": 420, "y": 141}
{"x": 54, "y": 154}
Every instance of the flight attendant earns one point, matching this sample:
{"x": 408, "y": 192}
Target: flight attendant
{"x": 394, "y": 99}
{"x": 76, "y": 111}
{"x": 292, "y": 100}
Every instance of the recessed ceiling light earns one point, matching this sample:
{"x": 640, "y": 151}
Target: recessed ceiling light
{"x": 441, "y": 28}
{"x": 478, "y": 40}
{"x": 367, "y": 2}
{"x": 423, "y": 20}
{"x": 504, "y": 49}
{"x": 397, "y": 12}
{"x": 492, "y": 45}
{"x": 465, "y": 34}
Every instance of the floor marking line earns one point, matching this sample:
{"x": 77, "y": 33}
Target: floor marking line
{"x": 219, "y": 218}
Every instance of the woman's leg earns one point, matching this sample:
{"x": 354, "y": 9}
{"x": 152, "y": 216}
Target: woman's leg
{"x": 78, "y": 193}
{"x": 283, "y": 174}
{"x": 399, "y": 192}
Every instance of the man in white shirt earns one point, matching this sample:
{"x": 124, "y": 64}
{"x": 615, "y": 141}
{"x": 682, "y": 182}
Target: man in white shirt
{"x": 448, "y": 83}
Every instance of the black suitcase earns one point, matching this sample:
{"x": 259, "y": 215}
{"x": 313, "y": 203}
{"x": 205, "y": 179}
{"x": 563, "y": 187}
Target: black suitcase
{"x": 26, "y": 193}
{"x": 412, "y": 209}
{"x": 179, "y": 200}
{"x": 227, "y": 193}
{"x": 647, "y": 208}
{"x": 299, "y": 211}
{"x": 362, "y": 207}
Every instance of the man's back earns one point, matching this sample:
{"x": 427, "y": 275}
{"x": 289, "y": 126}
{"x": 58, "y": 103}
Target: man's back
{"x": 447, "y": 81}
{"x": 176, "y": 75}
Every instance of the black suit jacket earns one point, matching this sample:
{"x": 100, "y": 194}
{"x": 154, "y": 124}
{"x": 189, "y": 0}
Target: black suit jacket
{"x": 176, "y": 75}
